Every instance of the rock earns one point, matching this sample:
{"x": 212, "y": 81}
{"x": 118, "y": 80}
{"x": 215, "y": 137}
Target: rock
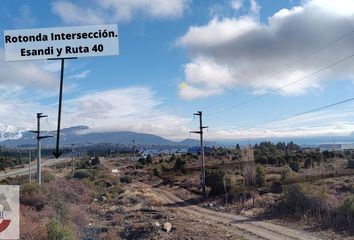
{"x": 167, "y": 226}
{"x": 109, "y": 217}
{"x": 102, "y": 199}
{"x": 157, "y": 224}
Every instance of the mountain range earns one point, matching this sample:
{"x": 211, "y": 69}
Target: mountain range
{"x": 82, "y": 135}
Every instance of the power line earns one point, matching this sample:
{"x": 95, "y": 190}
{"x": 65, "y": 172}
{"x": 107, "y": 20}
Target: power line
{"x": 276, "y": 120}
{"x": 285, "y": 86}
{"x": 285, "y": 67}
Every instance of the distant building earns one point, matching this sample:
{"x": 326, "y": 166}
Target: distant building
{"x": 336, "y": 147}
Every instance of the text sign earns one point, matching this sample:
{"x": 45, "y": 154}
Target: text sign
{"x": 65, "y": 42}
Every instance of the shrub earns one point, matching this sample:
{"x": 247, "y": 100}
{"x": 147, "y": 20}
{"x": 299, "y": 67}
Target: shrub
{"x": 73, "y": 191}
{"x": 95, "y": 161}
{"x": 249, "y": 176}
{"x": 232, "y": 187}
{"x": 350, "y": 164}
{"x": 84, "y": 163}
{"x": 295, "y": 166}
{"x": 260, "y": 176}
{"x": 157, "y": 171}
{"x": 126, "y": 179}
{"x": 347, "y": 208}
{"x": 172, "y": 158}
{"x": 181, "y": 165}
{"x": 301, "y": 199}
{"x": 148, "y": 159}
{"x": 215, "y": 180}
{"x": 58, "y": 231}
{"x": 32, "y": 196}
{"x": 5, "y": 181}
{"x": 276, "y": 187}
{"x": 309, "y": 163}
{"x": 142, "y": 161}
{"x": 287, "y": 175}
{"x": 82, "y": 174}
{"x": 47, "y": 177}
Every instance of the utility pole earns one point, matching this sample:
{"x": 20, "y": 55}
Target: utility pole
{"x": 133, "y": 154}
{"x": 200, "y": 132}
{"x": 29, "y": 166}
{"x": 39, "y": 146}
{"x": 72, "y": 159}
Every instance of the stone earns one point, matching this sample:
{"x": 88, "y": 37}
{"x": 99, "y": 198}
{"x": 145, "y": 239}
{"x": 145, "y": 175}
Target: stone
{"x": 167, "y": 226}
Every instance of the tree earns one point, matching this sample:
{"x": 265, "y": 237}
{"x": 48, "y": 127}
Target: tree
{"x": 308, "y": 163}
{"x": 148, "y": 159}
{"x": 295, "y": 166}
{"x": 172, "y": 158}
{"x": 215, "y": 180}
{"x": 260, "y": 176}
{"x": 181, "y": 165}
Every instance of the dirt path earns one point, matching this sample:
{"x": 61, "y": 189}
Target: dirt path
{"x": 249, "y": 228}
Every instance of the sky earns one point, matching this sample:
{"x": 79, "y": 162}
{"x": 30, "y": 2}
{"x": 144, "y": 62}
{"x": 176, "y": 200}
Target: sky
{"x": 251, "y": 66}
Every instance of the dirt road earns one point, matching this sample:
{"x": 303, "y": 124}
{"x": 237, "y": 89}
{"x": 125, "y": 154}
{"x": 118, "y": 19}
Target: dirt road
{"x": 248, "y": 228}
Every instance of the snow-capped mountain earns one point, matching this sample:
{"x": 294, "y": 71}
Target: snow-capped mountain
{"x": 8, "y": 132}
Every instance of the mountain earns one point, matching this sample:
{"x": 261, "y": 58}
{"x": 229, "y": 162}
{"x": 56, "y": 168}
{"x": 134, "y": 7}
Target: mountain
{"x": 11, "y": 132}
{"x": 83, "y": 136}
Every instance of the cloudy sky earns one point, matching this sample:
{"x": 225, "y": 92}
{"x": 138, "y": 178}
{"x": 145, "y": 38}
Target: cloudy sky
{"x": 256, "y": 68}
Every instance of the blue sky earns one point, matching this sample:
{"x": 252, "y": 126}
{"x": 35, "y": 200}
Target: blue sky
{"x": 180, "y": 56}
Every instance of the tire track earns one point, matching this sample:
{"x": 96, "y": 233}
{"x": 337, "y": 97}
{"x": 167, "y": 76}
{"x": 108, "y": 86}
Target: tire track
{"x": 249, "y": 228}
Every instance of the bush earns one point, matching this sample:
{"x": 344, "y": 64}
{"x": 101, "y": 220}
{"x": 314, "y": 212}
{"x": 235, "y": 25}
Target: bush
{"x": 350, "y": 164}
{"x": 309, "y": 163}
{"x": 32, "y": 196}
{"x": 47, "y": 177}
{"x": 82, "y": 174}
{"x": 181, "y": 165}
{"x": 148, "y": 159}
{"x": 58, "y": 231}
{"x": 301, "y": 199}
{"x": 95, "y": 161}
{"x": 172, "y": 158}
{"x": 295, "y": 166}
{"x": 347, "y": 208}
{"x": 142, "y": 161}
{"x": 287, "y": 175}
{"x": 215, "y": 180}
{"x": 249, "y": 176}
{"x": 126, "y": 179}
{"x": 5, "y": 181}
{"x": 260, "y": 176}
{"x": 276, "y": 187}
{"x": 157, "y": 171}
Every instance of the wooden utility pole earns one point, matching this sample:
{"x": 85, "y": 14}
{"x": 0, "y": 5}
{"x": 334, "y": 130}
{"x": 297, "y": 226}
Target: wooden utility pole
{"x": 133, "y": 154}
{"x": 200, "y": 132}
{"x": 29, "y": 166}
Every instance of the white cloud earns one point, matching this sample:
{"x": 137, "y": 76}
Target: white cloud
{"x": 124, "y": 109}
{"x": 265, "y": 56}
{"x": 331, "y": 122}
{"x": 254, "y": 7}
{"x": 80, "y": 75}
{"x": 108, "y": 11}
{"x": 71, "y": 13}
{"x": 25, "y": 74}
{"x": 131, "y": 109}
{"x": 217, "y": 32}
{"x": 236, "y": 4}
